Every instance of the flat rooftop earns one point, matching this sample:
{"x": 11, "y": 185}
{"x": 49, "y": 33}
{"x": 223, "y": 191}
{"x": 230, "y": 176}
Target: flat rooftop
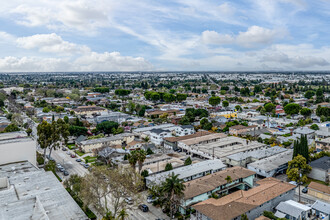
{"x": 181, "y": 138}
{"x": 225, "y": 146}
{"x": 12, "y": 135}
{"x": 187, "y": 171}
{"x": 35, "y": 194}
{"x": 273, "y": 162}
{"x": 258, "y": 154}
{"x": 198, "y": 140}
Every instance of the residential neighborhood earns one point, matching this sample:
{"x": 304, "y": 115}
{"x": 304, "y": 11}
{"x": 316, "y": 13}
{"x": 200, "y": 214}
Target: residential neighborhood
{"x": 165, "y": 146}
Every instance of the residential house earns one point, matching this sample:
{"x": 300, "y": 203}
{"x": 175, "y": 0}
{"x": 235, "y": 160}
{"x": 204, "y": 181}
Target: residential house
{"x": 319, "y": 190}
{"x": 264, "y": 197}
{"x": 321, "y": 210}
{"x": 218, "y": 183}
{"x": 320, "y": 169}
{"x": 270, "y": 166}
{"x": 310, "y": 133}
{"x": 323, "y": 144}
{"x": 183, "y": 130}
{"x": 239, "y": 129}
{"x": 120, "y": 139}
{"x": 157, "y": 135}
{"x": 187, "y": 173}
{"x": 292, "y": 210}
{"x": 172, "y": 142}
{"x": 89, "y": 110}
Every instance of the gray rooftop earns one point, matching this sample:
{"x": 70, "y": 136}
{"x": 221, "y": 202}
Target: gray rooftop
{"x": 258, "y": 154}
{"x": 162, "y": 126}
{"x": 322, "y": 163}
{"x": 187, "y": 171}
{"x": 292, "y": 208}
{"x": 273, "y": 162}
{"x": 106, "y": 139}
{"x": 322, "y": 207}
{"x": 35, "y": 194}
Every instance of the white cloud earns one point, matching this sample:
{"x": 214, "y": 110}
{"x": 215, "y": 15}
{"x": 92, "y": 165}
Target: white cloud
{"x": 51, "y": 43}
{"x": 111, "y": 62}
{"x": 253, "y": 37}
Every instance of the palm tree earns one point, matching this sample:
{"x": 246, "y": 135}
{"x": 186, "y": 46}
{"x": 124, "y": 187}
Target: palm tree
{"x": 141, "y": 156}
{"x": 122, "y": 215}
{"x": 173, "y": 188}
{"x": 132, "y": 159}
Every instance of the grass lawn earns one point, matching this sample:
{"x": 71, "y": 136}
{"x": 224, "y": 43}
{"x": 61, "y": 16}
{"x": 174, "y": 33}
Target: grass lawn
{"x": 90, "y": 159}
{"x": 71, "y": 146}
{"x": 79, "y": 153}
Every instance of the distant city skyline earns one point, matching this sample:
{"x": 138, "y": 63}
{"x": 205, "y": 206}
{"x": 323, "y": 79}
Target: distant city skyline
{"x": 181, "y": 35}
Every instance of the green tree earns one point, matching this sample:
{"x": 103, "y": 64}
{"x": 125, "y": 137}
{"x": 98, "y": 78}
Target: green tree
{"x": 137, "y": 156}
{"x": 173, "y": 189}
{"x": 244, "y": 217}
{"x": 305, "y": 112}
{"x": 300, "y": 147}
{"x": 168, "y": 167}
{"x": 269, "y": 107}
{"x": 314, "y": 127}
{"x": 214, "y": 100}
{"x": 292, "y": 108}
{"x": 107, "y": 127}
{"x": 309, "y": 94}
{"x": 29, "y": 131}
{"x": 11, "y": 128}
{"x": 77, "y": 130}
{"x": 123, "y": 215}
{"x": 45, "y": 110}
{"x": 225, "y": 103}
{"x": 298, "y": 170}
{"x": 44, "y": 131}
{"x": 66, "y": 119}
{"x": 187, "y": 161}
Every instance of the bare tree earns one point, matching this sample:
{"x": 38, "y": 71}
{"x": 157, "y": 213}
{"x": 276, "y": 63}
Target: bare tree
{"x": 106, "y": 189}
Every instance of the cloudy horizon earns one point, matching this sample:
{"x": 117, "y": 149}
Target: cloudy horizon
{"x": 177, "y": 35}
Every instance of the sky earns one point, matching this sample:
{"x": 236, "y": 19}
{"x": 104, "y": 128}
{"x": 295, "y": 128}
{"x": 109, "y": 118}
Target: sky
{"x": 164, "y": 35}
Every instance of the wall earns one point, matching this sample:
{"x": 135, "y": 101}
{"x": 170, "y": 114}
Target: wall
{"x": 14, "y": 151}
{"x": 318, "y": 194}
{"x": 318, "y": 174}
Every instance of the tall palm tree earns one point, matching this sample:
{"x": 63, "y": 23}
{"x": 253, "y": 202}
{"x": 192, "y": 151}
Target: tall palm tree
{"x": 141, "y": 157}
{"x": 173, "y": 188}
{"x": 132, "y": 159}
{"x": 122, "y": 215}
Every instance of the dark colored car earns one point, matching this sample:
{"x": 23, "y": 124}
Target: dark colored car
{"x": 144, "y": 208}
{"x": 86, "y": 166}
{"x": 64, "y": 149}
{"x": 73, "y": 156}
{"x": 304, "y": 190}
{"x": 78, "y": 160}
{"x": 61, "y": 169}
{"x": 66, "y": 173}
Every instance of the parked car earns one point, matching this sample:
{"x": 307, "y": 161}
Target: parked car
{"x": 68, "y": 153}
{"x": 61, "y": 169}
{"x": 78, "y": 160}
{"x": 58, "y": 166}
{"x": 86, "y": 166}
{"x": 151, "y": 199}
{"x": 66, "y": 173}
{"x": 144, "y": 208}
{"x": 82, "y": 163}
{"x": 64, "y": 149}
{"x": 73, "y": 155}
{"x": 304, "y": 190}
{"x": 129, "y": 200}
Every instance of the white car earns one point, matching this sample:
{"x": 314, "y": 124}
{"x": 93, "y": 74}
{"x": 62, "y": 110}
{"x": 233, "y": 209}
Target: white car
{"x": 129, "y": 200}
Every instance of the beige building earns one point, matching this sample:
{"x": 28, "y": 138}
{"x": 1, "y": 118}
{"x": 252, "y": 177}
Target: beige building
{"x": 121, "y": 139}
{"x": 319, "y": 191}
{"x": 89, "y": 110}
{"x": 323, "y": 144}
{"x": 17, "y": 146}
